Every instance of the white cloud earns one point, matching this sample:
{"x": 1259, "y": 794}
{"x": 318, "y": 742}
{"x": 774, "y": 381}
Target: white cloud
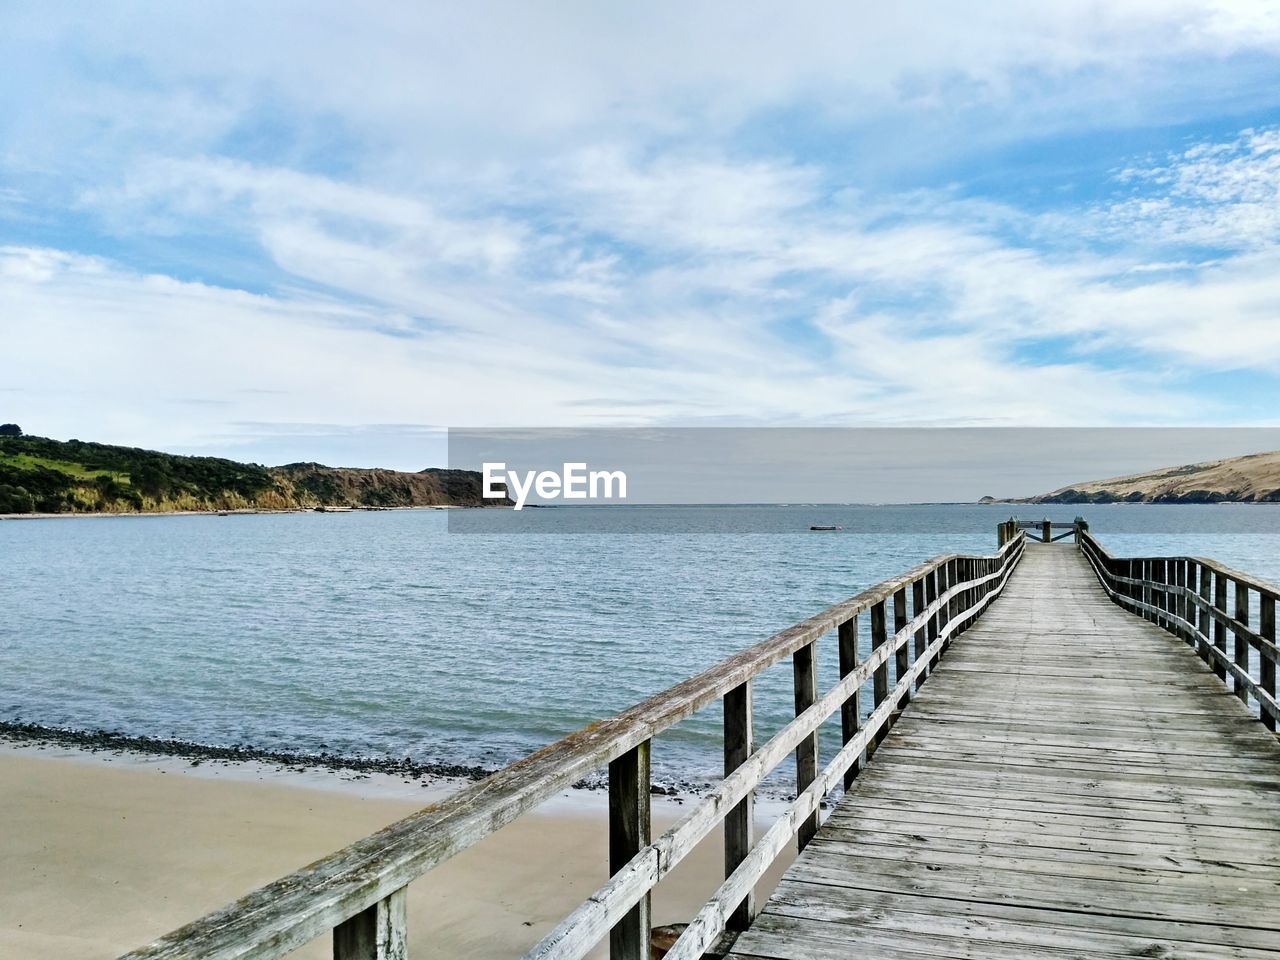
{"x": 516, "y": 214}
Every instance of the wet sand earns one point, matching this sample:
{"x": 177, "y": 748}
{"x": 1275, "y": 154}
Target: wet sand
{"x": 102, "y": 855}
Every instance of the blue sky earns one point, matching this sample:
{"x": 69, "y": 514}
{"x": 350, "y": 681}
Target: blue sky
{"x": 326, "y": 231}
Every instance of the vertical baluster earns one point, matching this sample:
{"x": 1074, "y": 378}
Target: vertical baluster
{"x": 1162, "y": 598}
{"x": 1148, "y": 590}
{"x": 970, "y": 572}
{"x": 376, "y": 933}
{"x": 1193, "y": 608}
{"x": 851, "y": 709}
{"x": 1219, "y": 626}
{"x": 918, "y": 605}
{"x": 880, "y": 677}
{"x": 1179, "y": 599}
{"x": 1188, "y": 606}
{"x": 1266, "y": 663}
{"x": 902, "y": 658}
{"x": 1203, "y": 581}
{"x": 1242, "y": 642}
{"x": 931, "y": 592}
{"x": 1194, "y": 615}
{"x": 805, "y": 671}
{"x": 953, "y": 605}
{"x": 629, "y": 833}
{"x": 738, "y": 822}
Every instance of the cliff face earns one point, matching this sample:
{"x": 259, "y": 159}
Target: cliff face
{"x": 1250, "y": 479}
{"x": 313, "y": 484}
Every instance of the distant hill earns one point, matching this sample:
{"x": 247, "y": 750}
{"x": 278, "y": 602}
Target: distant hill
{"x": 39, "y": 475}
{"x": 1250, "y": 479}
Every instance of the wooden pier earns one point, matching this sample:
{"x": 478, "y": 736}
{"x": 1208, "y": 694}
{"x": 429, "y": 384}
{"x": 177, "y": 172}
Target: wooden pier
{"x": 1089, "y": 772}
{"x": 1071, "y": 783}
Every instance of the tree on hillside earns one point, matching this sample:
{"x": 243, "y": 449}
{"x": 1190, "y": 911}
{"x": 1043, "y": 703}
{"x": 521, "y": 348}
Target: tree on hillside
{"x": 150, "y": 479}
{"x": 15, "y": 499}
{"x": 10, "y": 430}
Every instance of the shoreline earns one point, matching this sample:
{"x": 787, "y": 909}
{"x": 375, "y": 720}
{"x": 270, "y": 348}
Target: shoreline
{"x": 142, "y": 844}
{"x": 241, "y": 512}
{"x": 17, "y": 734}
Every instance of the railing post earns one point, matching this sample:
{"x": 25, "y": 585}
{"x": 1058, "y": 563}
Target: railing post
{"x": 1046, "y": 531}
{"x": 1148, "y": 591}
{"x": 738, "y": 822}
{"x": 1266, "y": 665}
{"x": 1179, "y": 579}
{"x": 1160, "y": 574}
{"x": 1189, "y": 612}
{"x": 1242, "y": 643}
{"x": 1194, "y": 615}
{"x": 629, "y": 833}
{"x": 1204, "y": 589}
{"x": 880, "y": 677}
{"x": 851, "y": 709}
{"x": 952, "y": 606}
{"x": 931, "y": 595}
{"x": 971, "y": 573}
{"x": 918, "y": 605}
{"x": 805, "y": 670}
{"x": 1220, "y": 627}
{"x": 902, "y": 658}
{"x": 375, "y": 933}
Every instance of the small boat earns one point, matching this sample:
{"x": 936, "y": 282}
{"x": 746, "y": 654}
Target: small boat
{"x": 825, "y": 526}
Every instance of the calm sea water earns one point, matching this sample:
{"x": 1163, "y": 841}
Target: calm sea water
{"x": 383, "y": 634}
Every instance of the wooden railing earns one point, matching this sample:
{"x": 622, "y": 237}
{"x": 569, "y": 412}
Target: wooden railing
{"x": 359, "y": 892}
{"x": 1201, "y": 602}
{"x": 1042, "y": 530}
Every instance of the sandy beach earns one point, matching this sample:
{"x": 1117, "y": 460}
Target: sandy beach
{"x": 103, "y": 854}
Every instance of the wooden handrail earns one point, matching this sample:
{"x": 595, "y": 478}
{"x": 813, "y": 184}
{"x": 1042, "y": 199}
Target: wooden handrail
{"x": 358, "y": 892}
{"x": 1188, "y": 597}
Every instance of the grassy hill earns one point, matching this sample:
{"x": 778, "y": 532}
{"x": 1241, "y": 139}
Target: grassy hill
{"x": 39, "y": 475}
{"x": 1250, "y": 479}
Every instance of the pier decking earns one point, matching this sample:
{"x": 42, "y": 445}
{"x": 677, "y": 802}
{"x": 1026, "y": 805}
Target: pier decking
{"x": 1072, "y": 782}
{"x": 1046, "y": 752}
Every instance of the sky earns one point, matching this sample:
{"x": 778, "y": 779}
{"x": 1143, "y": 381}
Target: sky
{"x": 329, "y": 231}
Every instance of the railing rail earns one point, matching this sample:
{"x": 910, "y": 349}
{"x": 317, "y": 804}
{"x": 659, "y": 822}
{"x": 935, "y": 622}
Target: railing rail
{"x": 1042, "y": 530}
{"x": 359, "y": 892}
{"x": 1188, "y": 596}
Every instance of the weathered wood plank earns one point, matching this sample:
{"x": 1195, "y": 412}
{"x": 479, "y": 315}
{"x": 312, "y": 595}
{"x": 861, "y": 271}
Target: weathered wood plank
{"x": 851, "y": 709}
{"x": 377, "y": 933}
{"x": 1267, "y": 666}
{"x": 629, "y": 832}
{"x": 805, "y": 669}
{"x": 738, "y": 746}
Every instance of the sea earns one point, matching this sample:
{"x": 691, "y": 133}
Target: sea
{"x": 391, "y": 635}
